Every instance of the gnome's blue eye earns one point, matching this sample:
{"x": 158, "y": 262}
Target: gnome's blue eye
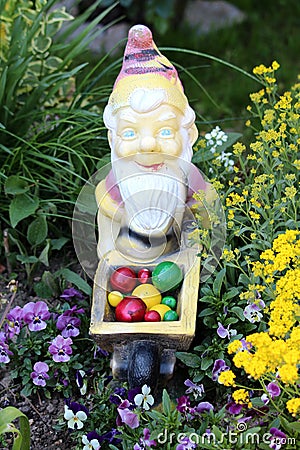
{"x": 128, "y": 134}
{"x": 166, "y": 132}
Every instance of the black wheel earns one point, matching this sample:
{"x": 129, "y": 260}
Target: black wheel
{"x": 143, "y": 364}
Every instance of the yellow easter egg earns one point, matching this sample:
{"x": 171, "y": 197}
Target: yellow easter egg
{"x": 161, "y": 309}
{"x": 114, "y": 298}
{"x": 148, "y": 293}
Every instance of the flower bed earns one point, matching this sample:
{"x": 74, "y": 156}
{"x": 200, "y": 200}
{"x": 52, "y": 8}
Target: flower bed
{"x": 243, "y": 383}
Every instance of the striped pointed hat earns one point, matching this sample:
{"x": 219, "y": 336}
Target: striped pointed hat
{"x": 144, "y": 67}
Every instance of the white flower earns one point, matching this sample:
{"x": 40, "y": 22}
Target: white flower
{"x": 93, "y": 444}
{"x": 215, "y": 138}
{"x": 227, "y": 162}
{"x": 145, "y": 398}
{"x": 75, "y": 421}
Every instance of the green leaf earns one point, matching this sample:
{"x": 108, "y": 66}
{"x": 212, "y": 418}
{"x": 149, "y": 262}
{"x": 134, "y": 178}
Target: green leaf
{"x": 45, "y": 254}
{"x": 75, "y": 279}
{"x": 59, "y": 15}
{"x": 189, "y": 359}
{"x": 166, "y": 403}
{"x": 15, "y": 185}
{"x": 27, "y": 259}
{"x": 206, "y": 312}
{"x": 53, "y": 62}
{"x": 206, "y": 363}
{"x": 238, "y": 312}
{"x": 37, "y": 231}
{"x": 27, "y": 389}
{"x": 295, "y": 426}
{"x": 57, "y": 244}
{"x": 7, "y": 415}
{"x": 48, "y": 286}
{"x": 22, "y": 206}
{"x": 202, "y": 155}
{"x": 232, "y": 138}
{"x": 218, "y": 282}
{"x": 41, "y": 44}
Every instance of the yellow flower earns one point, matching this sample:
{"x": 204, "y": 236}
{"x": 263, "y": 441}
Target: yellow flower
{"x": 275, "y": 65}
{"x": 234, "y": 346}
{"x": 254, "y": 215}
{"x": 290, "y": 192}
{"x": 288, "y": 374}
{"x": 241, "y": 396}
{"x": 238, "y": 148}
{"x": 228, "y": 255}
{"x": 257, "y": 96}
{"x": 260, "y": 70}
{"x": 271, "y": 80}
{"x": 293, "y": 406}
{"x": 297, "y": 163}
{"x": 227, "y": 378}
{"x": 231, "y": 214}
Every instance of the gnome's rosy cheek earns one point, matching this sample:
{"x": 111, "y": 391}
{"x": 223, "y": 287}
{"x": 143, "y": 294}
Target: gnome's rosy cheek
{"x": 172, "y": 146}
{"x": 125, "y": 147}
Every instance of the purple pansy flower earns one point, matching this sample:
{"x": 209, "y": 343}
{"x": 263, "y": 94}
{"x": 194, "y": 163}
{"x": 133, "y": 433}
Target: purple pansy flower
{"x": 69, "y": 326}
{"x": 225, "y": 332}
{"x": 127, "y": 416}
{"x": 14, "y": 320}
{"x": 117, "y": 396}
{"x": 219, "y": 366}
{"x": 278, "y": 438}
{"x": 132, "y": 393}
{"x": 234, "y": 408}
{"x": 39, "y": 374}
{"x": 60, "y": 349}
{"x": 186, "y": 444}
{"x": 203, "y": 407}
{"x": 273, "y": 389}
{"x": 183, "y": 404}
{"x": 145, "y": 441}
{"x": 196, "y": 389}
{"x": 72, "y": 293}
{"x": 3, "y": 337}
{"x": 4, "y": 353}
{"x": 110, "y": 436}
{"x": 35, "y": 314}
{"x": 245, "y": 345}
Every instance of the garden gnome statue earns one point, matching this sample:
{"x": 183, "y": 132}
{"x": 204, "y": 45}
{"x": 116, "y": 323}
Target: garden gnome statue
{"x": 151, "y": 131}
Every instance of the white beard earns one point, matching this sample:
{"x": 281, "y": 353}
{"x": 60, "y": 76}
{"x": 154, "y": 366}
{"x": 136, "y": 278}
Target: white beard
{"x": 152, "y": 199}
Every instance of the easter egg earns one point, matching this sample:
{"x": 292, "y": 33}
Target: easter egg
{"x": 148, "y": 293}
{"x": 166, "y": 276}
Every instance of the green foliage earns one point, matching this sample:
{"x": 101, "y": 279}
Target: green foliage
{"x": 22, "y": 435}
{"x": 52, "y": 137}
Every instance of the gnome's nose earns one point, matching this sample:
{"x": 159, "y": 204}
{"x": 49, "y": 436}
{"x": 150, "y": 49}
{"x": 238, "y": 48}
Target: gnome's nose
{"x": 149, "y": 144}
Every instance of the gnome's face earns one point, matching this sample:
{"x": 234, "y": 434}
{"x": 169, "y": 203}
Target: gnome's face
{"x": 146, "y": 150}
{"x": 148, "y": 138}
